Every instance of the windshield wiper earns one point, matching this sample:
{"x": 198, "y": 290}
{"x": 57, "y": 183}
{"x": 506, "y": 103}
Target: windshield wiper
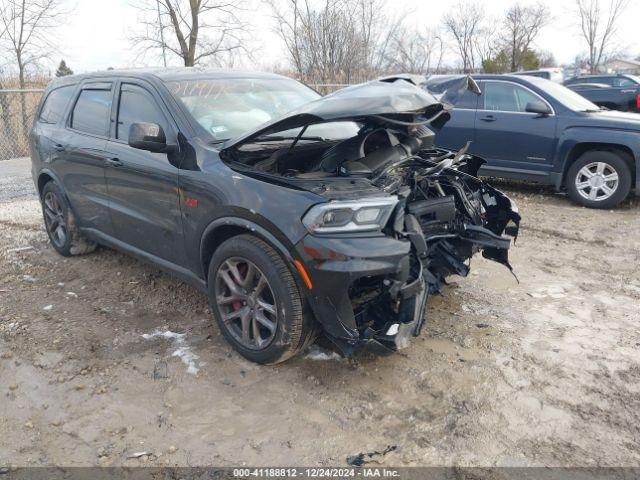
{"x": 215, "y": 142}
{"x": 280, "y": 138}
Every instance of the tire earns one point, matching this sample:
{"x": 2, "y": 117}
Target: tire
{"x": 60, "y": 224}
{"x": 264, "y": 288}
{"x": 601, "y": 165}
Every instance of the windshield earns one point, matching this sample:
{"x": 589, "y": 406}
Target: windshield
{"x": 228, "y": 108}
{"x": 567, "y": 97}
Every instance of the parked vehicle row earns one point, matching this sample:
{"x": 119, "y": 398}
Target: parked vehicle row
{"x": 614, "y": 92}
{"x": 533, "y": 129}
{"x": 295, "y": 214}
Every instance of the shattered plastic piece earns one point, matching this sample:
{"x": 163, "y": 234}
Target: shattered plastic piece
{"x": 139, "y": 454}
{"x": 361, "y": 458}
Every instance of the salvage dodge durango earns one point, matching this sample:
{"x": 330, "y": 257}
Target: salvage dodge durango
{"x": 298, "y": 215}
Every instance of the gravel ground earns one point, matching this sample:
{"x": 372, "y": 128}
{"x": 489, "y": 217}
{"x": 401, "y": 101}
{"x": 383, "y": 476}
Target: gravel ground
{"x": 541, "y": 372}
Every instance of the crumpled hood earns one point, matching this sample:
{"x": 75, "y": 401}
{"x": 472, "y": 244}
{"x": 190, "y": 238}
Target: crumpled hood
{"x": 364, "y": 102}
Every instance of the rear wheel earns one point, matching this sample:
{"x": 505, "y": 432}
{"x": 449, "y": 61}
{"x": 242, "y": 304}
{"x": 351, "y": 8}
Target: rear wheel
{"x": 256, "y": 301}
{"x": 599, "y": 179}
{"x": 60, "y": 223}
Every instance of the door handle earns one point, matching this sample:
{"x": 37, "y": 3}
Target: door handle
{"x": 488, "y": 118}
{"x": 113, "y": 161}
{"x": 59, "y": 147}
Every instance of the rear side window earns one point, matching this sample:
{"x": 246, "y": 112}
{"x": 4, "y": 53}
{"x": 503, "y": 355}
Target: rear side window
{"x": 136, "y": 105}
{"x": 91, "y": 112}
{"x": 55, "y": 104}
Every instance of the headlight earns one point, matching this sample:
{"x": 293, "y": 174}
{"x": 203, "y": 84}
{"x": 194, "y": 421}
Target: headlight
{"x": 350, "y": 216}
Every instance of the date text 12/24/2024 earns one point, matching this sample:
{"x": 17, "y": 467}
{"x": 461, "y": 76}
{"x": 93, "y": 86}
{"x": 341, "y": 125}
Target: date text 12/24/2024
{"x": 335, "y": 473}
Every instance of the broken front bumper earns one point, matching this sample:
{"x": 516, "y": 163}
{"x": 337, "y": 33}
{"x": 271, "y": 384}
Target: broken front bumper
{"x": 371, "y": 291}
{"x": 367, "y": 291}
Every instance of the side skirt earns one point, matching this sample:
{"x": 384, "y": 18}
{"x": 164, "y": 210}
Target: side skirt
{"x": 172, "y": 269}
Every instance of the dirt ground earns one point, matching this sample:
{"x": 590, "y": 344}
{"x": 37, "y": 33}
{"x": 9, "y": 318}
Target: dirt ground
{"x": 541, "y": 372}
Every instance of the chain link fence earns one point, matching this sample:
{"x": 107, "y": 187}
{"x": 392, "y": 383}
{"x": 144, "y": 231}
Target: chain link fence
{"x": 17, "y": 108}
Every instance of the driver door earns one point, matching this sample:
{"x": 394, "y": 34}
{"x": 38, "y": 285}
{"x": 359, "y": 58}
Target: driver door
{"x": 510, "y": 139}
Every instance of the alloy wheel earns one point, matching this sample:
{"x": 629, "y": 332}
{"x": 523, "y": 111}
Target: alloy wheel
{"x": 54, "y": 220}
{"x": 246, "y": 303}
{"x": 597, "y": 181}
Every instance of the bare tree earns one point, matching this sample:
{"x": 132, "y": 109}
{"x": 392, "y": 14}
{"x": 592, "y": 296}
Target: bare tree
{"x": 547, "y": 59}
{"x": 338, "y": 41}
{"x": 27, "y": 27}
{"x": 413, "y": 52}
{"x": 522, "y": 24}
{"x": 464, "y": 22}
{"x": 598, "y": 28}
{"x": 196, "y": 31}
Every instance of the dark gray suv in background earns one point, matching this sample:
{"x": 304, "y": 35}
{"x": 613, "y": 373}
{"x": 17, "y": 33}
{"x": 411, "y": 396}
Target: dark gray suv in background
{"x": 297, "y": 215}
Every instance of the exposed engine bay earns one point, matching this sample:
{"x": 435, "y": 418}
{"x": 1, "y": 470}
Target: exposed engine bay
{"x": 444, "y": 212}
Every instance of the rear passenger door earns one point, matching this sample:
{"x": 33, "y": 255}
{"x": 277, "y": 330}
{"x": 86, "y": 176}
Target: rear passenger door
{"x": 514, "y": 142}
{"x": 78, "y": 155}
{"x": 142, "y": 185}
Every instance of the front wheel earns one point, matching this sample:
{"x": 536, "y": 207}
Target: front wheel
{"x": 598, "y": 179}
{"x": 256, "y": 302}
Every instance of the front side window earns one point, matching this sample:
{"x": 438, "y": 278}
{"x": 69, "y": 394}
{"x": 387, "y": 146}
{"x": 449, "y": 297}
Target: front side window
{"x": 55, "y": 104}
{"x": 136, "y": 105}
{"x": 91, "y": 112}
{"x": 507, "y": 97}
{"x": 227, "y": 108}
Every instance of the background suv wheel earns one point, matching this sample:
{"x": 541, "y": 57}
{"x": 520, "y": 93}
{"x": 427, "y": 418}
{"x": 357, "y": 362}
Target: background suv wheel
{"x": 599, "y": 179}
{"x": 60, "y": 223}
{"x": 256, "y": 301}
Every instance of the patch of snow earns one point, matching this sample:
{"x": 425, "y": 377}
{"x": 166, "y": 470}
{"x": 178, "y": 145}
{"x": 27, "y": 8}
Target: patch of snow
{"x": 182, "y": 349}
{"x": 317, "y": 353}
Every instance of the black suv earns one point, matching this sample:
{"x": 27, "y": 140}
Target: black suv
{"x": 339, "y": 217}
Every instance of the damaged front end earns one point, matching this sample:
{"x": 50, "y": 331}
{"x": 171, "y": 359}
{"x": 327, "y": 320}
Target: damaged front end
{"x": 400, "y": 215}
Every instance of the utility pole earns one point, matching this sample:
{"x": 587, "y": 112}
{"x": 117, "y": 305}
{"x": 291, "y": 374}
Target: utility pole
{"x": 164, "y": 53}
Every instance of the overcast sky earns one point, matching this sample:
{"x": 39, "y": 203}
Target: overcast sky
{"x": 96, "y": 34}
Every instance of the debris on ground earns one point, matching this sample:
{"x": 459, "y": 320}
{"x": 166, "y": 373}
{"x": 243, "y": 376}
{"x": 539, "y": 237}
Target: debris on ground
{"x": 363, "y": 458}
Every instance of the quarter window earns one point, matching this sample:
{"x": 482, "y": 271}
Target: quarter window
{"x": 91, "y": 112}
{"x": 507, "y": 97}
{"x": 136, "y": 105}
{"x": 55, "y": 104}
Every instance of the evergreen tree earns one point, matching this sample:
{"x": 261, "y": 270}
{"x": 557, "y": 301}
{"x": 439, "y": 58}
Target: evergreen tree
{"x": 63, "y": 70}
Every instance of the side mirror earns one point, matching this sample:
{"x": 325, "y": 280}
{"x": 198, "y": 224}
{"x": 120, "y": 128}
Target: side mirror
{"x": 538, "y": 107}
{"x": 149, "y": 136}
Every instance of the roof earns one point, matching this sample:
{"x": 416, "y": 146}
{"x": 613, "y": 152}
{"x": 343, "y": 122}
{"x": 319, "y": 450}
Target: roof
{"x": 168, "y": 74}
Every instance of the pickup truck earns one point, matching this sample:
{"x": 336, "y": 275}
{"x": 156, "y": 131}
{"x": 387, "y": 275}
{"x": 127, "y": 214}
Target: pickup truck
{"x": 530, "y": 128}
{"x": 614, "y": 92}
